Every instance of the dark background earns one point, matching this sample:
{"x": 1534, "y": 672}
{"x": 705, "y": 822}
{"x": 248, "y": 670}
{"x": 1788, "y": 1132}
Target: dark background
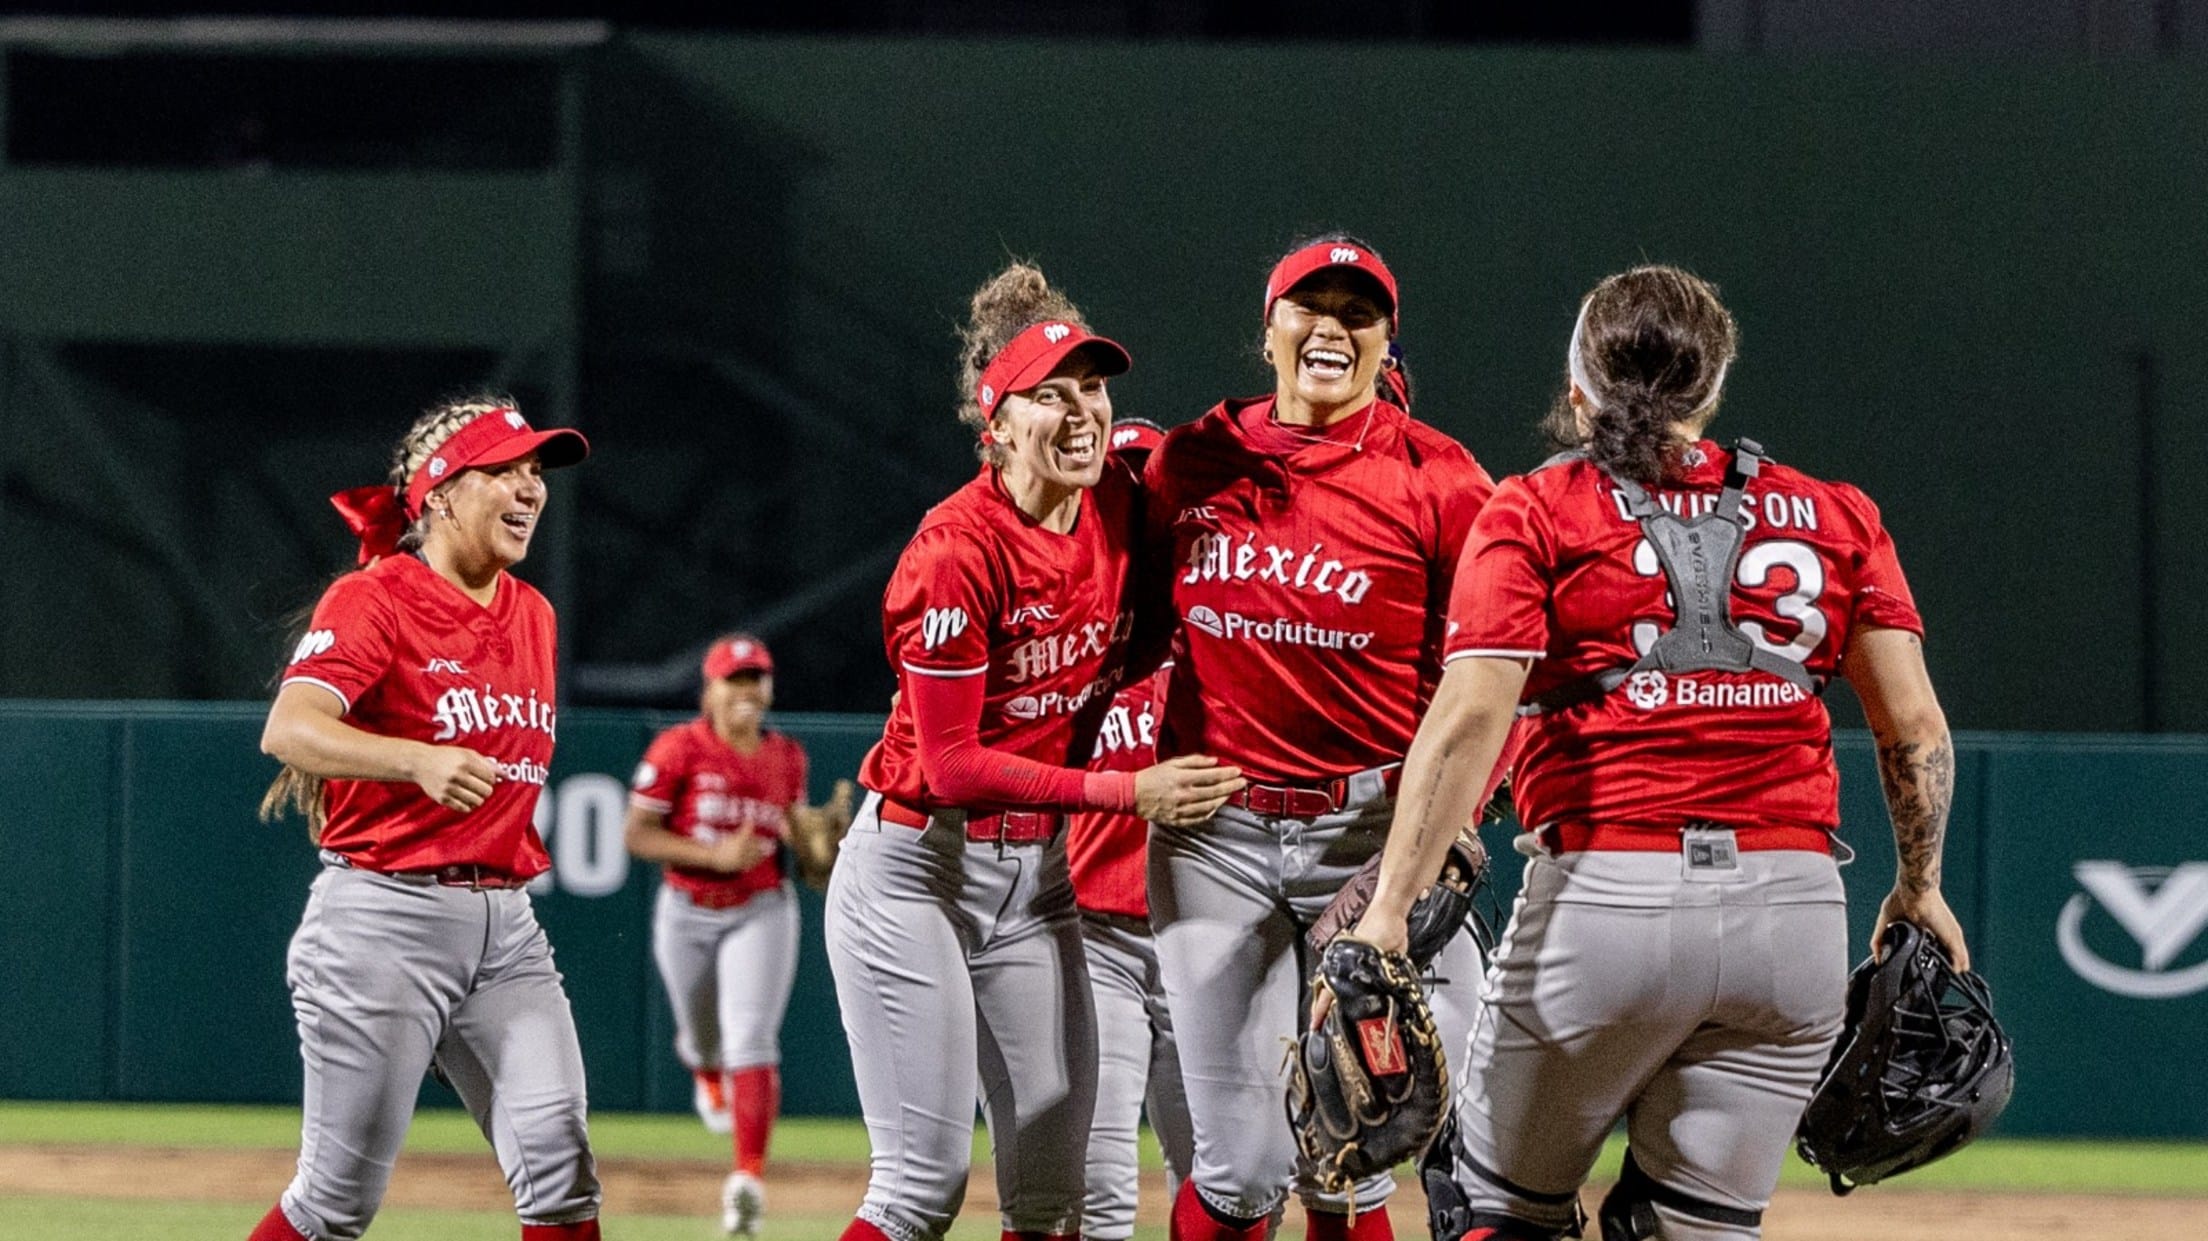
{"x": 1963, "y": 241}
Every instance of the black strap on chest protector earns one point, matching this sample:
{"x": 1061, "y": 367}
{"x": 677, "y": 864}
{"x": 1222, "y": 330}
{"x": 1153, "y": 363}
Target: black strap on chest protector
{"x": 1699, "y": 556}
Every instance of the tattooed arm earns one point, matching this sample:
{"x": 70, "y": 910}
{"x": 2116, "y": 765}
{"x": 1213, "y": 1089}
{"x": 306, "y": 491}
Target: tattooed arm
{"x": 1916, "y": 764}
{"x": 1443, "y": 776}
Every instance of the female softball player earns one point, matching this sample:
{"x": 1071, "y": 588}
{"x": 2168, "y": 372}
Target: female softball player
{"x": 1138, "y": 1068}
{"x": 1307, "y": 542}
{"x": 951, "y": 924}
{"x": 415, "y": 725}
{"x": 713, "y": 801}
{"x": 1665, "y": 611}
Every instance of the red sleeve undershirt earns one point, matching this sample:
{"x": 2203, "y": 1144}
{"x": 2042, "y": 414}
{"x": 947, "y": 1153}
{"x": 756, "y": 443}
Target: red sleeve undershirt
{"x": 961, "y": 771}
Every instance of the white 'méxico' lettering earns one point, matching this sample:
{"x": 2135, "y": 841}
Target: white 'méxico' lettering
{"x": 1219, "y": 557}
{"x": 462, "y": 710}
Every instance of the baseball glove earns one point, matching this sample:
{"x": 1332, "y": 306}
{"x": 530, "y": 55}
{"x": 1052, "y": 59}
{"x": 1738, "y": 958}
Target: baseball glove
{"x": 1369, "y": 1088}
{"x": 1437, "y": 914}
{"x": 816, "y": 834}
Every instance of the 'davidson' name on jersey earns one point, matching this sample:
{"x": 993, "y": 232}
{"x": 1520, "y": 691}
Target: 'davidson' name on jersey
{"x": 462, "y": 711}
{"x": 1215, "y": 556}
{"x": 1770, "y": 509}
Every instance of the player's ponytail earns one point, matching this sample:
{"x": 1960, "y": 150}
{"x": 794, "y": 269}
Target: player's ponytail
{"x": 294, "y": 791}
{"x": 1005, "y": 305}
{"x": 1649, "y": 355}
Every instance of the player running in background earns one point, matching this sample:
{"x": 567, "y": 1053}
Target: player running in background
{"x": 415, "y": 725}
{"x": 1138, "y": 1068}
{"x": 1678, "y": 955}
{"x": 1306, "y": 541}
{"x": 951, "y": 924}
{"x": 713, "y": 801}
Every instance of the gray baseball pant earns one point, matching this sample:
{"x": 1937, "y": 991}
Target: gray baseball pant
{"x": 389, "y": 973}
{"x": 728, "y": 974}
{"x": 1230, "y": 901}
{"x": 1138, "y": 1071}
{"x": 960, "y": 974}
{"x": 1699, "y": 1006}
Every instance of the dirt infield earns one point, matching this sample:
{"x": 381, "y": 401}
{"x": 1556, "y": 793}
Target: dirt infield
{"x": 668, "y": 1187}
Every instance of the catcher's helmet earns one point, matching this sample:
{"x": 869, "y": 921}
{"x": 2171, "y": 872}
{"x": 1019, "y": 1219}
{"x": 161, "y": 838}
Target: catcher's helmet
{"x": 1920, "y": 1069}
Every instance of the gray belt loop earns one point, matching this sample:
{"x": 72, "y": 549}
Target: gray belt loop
{"x": 331, "y": 857}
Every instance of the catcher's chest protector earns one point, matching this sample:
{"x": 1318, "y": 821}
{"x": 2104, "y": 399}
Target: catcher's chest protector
{"x": 1699, "y": 556}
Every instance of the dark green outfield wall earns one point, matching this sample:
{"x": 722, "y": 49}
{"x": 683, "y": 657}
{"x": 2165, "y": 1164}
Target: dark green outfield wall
{"x": 144, "y": 914}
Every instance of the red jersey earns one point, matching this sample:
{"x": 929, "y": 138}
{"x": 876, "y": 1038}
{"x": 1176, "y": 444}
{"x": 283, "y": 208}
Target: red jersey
{"x": 411, "y": 656}
{"x": 707, "y": 790}
{"x": 1107, "y": 852}
{"x": 1309, "y": 575}
{"x": 1043, "y": 618}
{"x": 1557, "y": 570}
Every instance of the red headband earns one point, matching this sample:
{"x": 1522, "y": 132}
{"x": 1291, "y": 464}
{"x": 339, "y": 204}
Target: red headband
{"x": 1029, "y": 358}
{"x": 376, "y": 515}
{"x": 1320, "y": 255}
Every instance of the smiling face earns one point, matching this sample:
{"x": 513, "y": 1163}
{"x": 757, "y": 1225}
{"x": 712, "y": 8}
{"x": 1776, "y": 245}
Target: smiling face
{"x": 1056, "y": 432}
{"x": 1327, "y": 338}
{"x": 486, "y": 514}
{"x": 737, "y": 704}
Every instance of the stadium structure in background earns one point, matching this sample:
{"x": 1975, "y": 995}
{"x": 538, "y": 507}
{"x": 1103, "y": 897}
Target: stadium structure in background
{"x": 230, "y": 249}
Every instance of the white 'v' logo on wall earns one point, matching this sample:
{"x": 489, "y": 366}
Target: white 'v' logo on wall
{"x": 2165, "y": 917}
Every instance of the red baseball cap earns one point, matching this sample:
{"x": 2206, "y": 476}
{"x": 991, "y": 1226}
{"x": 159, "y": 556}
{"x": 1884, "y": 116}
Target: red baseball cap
{"x": 1320, "y": 255}
{"x": 734, "y": 653}
{"x": 1029, "y": 358}
{"x": 493, "y": 438}
{"x": 1136, "y": 435}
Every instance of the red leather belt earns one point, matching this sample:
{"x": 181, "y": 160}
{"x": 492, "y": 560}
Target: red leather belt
{"x": 1306, "y": 801}
{"x": 1586, "y": 837}
{"x": 464, "y": 875}
{"x": 717, "y": 898}
{"x": 1012, "y": 827}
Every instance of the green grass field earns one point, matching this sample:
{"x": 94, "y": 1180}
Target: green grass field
{"x": 2001, "y": 1167}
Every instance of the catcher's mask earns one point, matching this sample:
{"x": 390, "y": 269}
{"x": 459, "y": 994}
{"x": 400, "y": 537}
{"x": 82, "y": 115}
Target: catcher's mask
{"x": 1920, "y": 1069}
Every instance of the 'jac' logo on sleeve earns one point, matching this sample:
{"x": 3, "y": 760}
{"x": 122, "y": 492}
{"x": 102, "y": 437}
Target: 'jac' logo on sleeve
{"x": 940, "y": 625}
{"x": 314, "y": 643}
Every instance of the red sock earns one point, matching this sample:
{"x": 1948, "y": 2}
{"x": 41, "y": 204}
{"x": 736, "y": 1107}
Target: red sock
{"x": 1194, "y": 1221}
{"x": 581, "y": 1230}
{"x": 275, "y": 1227}
{"x": 716, "y": 1087}
{"x": 1372, "y": 1225}
{"x": 755, "y": 1097}
{"x": 860, "y": 1230}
